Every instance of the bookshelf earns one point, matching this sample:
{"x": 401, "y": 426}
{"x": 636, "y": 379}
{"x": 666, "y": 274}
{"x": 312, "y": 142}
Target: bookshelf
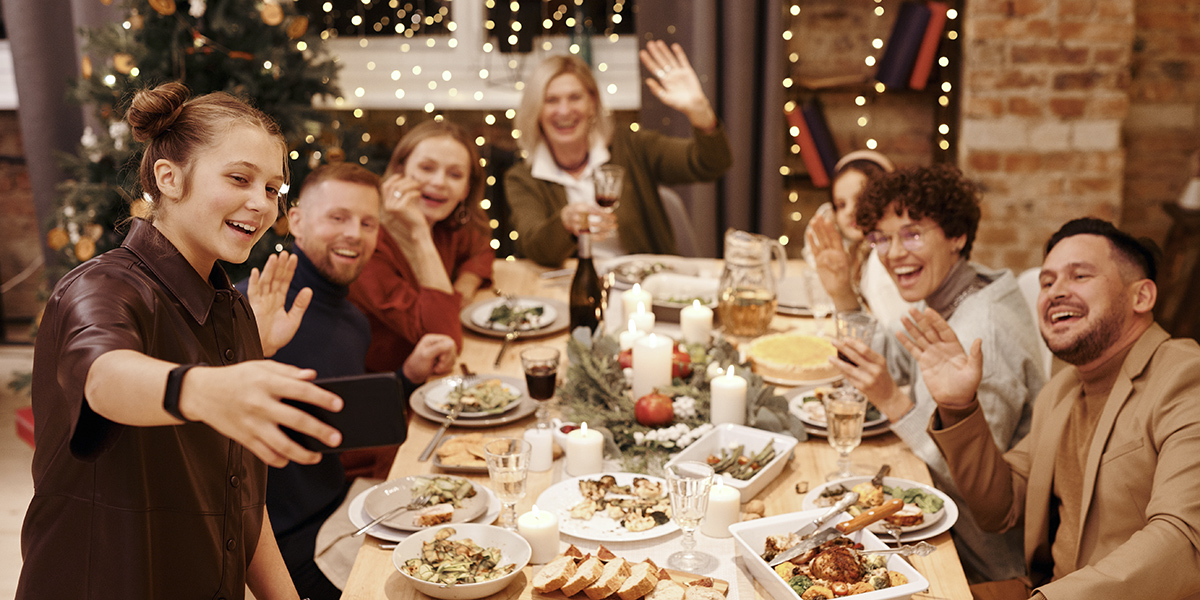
{"x": 833, "y": 49}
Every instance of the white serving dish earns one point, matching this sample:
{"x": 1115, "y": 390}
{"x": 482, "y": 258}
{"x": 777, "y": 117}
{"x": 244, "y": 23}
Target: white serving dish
{"x": 513, "y": 548}
{"x": 672, "y": 292}
{"x": 749, "y": 537}
{"x": 728, "y": 435}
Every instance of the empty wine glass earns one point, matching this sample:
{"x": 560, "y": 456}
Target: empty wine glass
{"x": 541, "y": 368}
{"x": 508, "y": 467}
{"x": 845, "y": 408}
{"x": 608, "y": 180}
{"x": 819, "y": 301}
{"x": 688, "y": 484}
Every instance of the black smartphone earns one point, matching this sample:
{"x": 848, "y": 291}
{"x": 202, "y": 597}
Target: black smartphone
{"x": 373, "y": 412}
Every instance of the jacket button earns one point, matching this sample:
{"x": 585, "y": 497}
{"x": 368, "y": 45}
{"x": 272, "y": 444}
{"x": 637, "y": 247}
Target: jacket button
{"x": 231, "y": 544}
{"x": 229, "y": 354}
{"x": 234, "y": 481}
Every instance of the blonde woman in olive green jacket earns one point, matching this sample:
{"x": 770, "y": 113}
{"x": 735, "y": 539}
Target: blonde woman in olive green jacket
{"x": 567, "y": 135}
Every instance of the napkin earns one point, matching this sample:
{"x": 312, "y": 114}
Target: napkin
{"x": 337, "y": 561}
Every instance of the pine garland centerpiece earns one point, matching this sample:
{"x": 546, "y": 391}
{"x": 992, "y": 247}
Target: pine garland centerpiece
{"x": 596, "y": 390}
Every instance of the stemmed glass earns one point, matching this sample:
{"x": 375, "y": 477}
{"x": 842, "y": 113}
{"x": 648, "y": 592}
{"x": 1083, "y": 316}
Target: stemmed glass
{"x": 541, "y": 368}
{"x": 819, "y": 301}
{"x": 608, "y": 179}
{"x": 845, "y": 408}
{"x": 508, "y": 467}
{"x": 688, "y": 484}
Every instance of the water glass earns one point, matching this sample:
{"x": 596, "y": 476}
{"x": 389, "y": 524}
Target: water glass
{"x": 845, "y": 408}
{"x": 608, "y": 180}
{"x": 541, "y": 368}
{"x": 688, "y": 484}
{"x": 854, "y": 324}
{"x": 508, "y": 467}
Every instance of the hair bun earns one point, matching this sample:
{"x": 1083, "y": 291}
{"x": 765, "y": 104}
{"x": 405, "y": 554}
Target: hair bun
{"x": 153, "y": 111}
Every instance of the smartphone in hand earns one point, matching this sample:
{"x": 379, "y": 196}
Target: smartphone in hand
{"x": 374, "y": 412}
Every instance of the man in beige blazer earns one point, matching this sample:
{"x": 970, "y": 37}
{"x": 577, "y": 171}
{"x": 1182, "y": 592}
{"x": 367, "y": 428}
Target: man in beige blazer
{"x": 1107, "y": 483}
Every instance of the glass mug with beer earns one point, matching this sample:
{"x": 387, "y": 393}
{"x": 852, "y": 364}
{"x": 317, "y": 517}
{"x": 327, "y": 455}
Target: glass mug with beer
{"x": 746, "y": 296}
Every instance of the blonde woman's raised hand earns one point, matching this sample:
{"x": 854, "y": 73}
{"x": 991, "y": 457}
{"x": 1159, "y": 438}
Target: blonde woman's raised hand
{"x": 675, "y": 83}
{"x": 267, "y": 293}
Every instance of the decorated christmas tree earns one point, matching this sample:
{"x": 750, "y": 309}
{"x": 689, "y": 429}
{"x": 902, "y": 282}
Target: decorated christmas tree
{"x": 263, "y": 52}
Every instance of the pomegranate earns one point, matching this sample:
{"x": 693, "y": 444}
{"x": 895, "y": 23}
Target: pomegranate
{"x": 654, "y": 409}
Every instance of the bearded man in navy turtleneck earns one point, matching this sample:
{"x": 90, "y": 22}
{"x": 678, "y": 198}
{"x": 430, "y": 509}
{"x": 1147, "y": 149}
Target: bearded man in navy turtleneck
{"x": 335, "y": 223}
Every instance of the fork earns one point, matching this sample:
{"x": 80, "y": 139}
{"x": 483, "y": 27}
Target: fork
{"x": 414, "y": 504}
{"x": 893, "y": 529}
{"x": 919, "y": 549}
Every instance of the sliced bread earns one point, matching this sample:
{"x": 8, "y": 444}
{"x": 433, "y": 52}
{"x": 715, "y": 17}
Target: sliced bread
{"x": 614, "y": 574}
{"x": 641, "y": 581}
{"x": 699, "y": 592}
{"x": 554, "y": 574}
{"x": 666, "y": 589}
{"x": 586, "y": 573}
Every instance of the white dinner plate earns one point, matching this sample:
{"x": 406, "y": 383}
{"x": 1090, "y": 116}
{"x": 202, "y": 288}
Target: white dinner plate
{"x": 398, "y": 492}
{"x": 481, "y": 314}
{"x": 812, "y": 412}
{"x": 359, "y": 516}
{"x": 934, "y": 524}
{"x": 562, "y": 496}
{"x": 437, "y": 394}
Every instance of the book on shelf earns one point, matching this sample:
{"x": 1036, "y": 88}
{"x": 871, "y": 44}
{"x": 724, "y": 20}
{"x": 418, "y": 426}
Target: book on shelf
{"x": 817, "y": 149}
{"x": 896, "y": 65}
{"x": 923, "y": 65}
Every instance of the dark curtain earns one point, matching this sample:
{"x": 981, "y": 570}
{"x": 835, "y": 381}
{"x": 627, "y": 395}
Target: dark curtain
{"x": 45, "y": 60}
{"x": 736, "y": 48}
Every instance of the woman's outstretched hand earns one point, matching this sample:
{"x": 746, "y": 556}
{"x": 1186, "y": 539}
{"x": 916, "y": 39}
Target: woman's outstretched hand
{"x": 676, "y": 84}
{"x": 834, "y": 265}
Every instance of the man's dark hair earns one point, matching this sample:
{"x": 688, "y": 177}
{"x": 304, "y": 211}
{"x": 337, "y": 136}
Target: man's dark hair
{"x": 1140, "y": 255}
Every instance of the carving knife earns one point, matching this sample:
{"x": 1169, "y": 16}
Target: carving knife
{"x": 845, "y": 527}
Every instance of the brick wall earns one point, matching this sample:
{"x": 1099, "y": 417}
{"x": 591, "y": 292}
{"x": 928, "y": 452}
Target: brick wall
{"x": 19, "y": 226}
{"x": 1045, "y": 91}
{"x": 1163, "y": 127}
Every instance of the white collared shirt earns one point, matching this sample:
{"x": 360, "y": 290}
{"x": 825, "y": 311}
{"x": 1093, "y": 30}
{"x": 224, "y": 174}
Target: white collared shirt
{"x": 579, "y": 189}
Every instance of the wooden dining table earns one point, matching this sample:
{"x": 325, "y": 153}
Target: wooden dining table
{"x": 374, "y": 577}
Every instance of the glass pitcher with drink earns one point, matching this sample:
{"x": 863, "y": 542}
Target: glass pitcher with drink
{"x": 747, "y": 293}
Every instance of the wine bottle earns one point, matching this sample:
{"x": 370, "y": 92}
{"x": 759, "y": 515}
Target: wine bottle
{"x": 587, "y": 308}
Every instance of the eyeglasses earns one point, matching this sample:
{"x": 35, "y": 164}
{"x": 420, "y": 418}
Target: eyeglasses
{"x": 910, "y": 238}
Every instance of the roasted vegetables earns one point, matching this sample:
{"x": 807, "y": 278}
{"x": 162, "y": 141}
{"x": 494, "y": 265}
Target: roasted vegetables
{"x": 739, "y": 466}
{"x": 452, "y": 562}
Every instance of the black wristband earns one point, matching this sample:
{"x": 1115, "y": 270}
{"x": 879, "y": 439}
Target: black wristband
{"x": 174, "y": 385}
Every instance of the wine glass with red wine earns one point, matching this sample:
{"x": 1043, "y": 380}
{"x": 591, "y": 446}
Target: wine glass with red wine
{"x": 609, "y": 179}
{"x": 541, "y": 370}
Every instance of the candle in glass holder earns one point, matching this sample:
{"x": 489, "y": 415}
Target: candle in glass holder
{"x": 728, "y": 395}
{"x": 696, "y": 323}
{"x": 631, "y": 298}
{"x": 724, "y": 509}
{"x": 628, "y": 337}
{"x": 651, "y": 364}
{"x": 585, "y": 451}
{"x": 540, "y": 529}
{"x": 643, "y": 318}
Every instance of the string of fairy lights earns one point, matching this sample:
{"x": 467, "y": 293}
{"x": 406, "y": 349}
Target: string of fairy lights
{"x": 943, "y": 113}
{"x": 511, "y": 28}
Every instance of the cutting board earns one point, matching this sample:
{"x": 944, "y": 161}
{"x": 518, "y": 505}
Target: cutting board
{"x": 680, "y": 576}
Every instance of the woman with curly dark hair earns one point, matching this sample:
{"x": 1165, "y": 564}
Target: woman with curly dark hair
{"x": 922, "y": 222}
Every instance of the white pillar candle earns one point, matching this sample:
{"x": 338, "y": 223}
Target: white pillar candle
{"x": 728, "y": 398}
{"x": 541, "y": 448}
{"x": 540, "y": 529}
{"x": 631, "y": 298}
{"x": 585, "y": 451}
{"x": 695, "y": 322}
{"x": 643, "y": 318}
{"x": 652, "y": 356}
{"x": 724, "y": 509}
{"x": 629, "y": 336}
